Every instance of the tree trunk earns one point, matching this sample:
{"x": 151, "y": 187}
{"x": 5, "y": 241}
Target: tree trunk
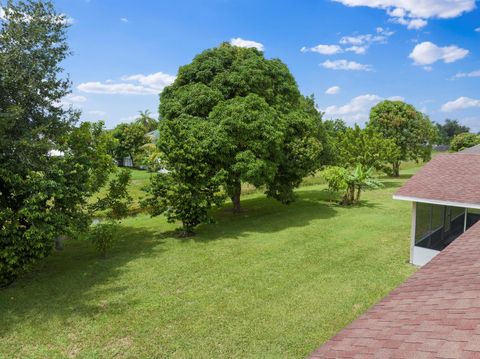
{"x": 349, "y": 197}
{"x": 235, "y": 197}
{"x": 396, "y": 169}
{"x": 187, "y": 230}
{"x": 359, "y": 190}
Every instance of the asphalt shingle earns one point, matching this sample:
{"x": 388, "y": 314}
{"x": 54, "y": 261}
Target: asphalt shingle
{"x": 434, "y": 314}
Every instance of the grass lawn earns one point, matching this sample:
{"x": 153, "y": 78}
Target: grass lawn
{"x": 273, "y": 282}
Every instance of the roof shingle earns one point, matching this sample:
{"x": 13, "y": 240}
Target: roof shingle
{"x": 449, "y": 178}
{"x": 434, "y": 314}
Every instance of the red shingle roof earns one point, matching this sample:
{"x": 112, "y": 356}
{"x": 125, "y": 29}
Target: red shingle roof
{"x": 448, "y": 178}
{"x": 434, "y": 314}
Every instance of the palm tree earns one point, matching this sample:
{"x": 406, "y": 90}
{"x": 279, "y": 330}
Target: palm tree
{"x": 358, "y": 180}
{"x": 147, "y": 121}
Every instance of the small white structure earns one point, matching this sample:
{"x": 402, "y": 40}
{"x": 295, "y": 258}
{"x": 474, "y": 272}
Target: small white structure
{"x": 445, "y": 196}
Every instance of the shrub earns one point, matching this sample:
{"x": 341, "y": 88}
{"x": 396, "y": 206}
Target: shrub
{"x": 102, "y": 235}
{"x": 116, "y": 205}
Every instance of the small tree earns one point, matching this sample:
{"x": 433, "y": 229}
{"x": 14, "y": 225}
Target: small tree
{"x": 115, "y": 205}
{"x": 191, "y": 187}
{"x": 367, "y": 148}
{"x": 464, "y": 140}
{"x": 350, "y": 181}
{"x": 412, "y": 131}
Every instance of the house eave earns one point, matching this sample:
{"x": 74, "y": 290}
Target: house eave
{"x": 436, "y": 201}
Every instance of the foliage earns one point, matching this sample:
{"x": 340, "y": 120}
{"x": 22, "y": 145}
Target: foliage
{"x": 367, "y": 148}
{"x": 130, "y": 137}
{"x": 117, "y": 201}
{"x": 151, "y": 157}
{"x": 147, "y": 121}
{"x": 449, "y": 130}
{"x": 412, "y": 131}
{"x": 190, "y": 187}
{"x": 464, "y": 140}
{"x": 116, "y": 204}
{"x": 49, "y": 168}
{"x": 334, "y": 131}
{"x": 103, "y": 235}
{"x": 350, "y": 181}
{"x": 266, "y": 133}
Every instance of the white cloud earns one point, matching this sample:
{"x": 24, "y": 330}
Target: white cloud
{"x": 359, "y": 50}
{"x": 345, "y": 65}
{"x": 475, "y": 73}
{"x": 2, "y": 13}
{"x": 411, "y": 24}
{"x": 413, "y": 13}
{"x": 427, "y": 53}
{"x": 357, "y": 43}
{"x": 116, "y": 89}
{"x": 477, "y": 29}
{"x": 71, "y": 99}
{"x": 357, "y": 109}
{"x": 460, "y": 104}
{"x": 138, "y": 84}
{"x": 367, "y": 39}
{"x": 124, "y": 19}
{"x": 333, "y": 90}
{"x": 246, "y": 43}
{"x": 157, "y": 80}
{"x": 323, "y": 49}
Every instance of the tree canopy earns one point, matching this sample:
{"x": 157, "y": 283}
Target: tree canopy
{"x": 411, "y": 130}
{"x": 266, "y": 133}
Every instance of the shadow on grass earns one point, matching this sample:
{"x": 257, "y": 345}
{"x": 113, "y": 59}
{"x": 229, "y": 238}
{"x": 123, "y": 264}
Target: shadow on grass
{"x": 69, "y": 283}
{"x": 266, "y": 215}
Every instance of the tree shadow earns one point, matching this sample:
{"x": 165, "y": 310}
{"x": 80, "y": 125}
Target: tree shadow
{"x": 266, "y": 215}
{"x": 70, "y": 283}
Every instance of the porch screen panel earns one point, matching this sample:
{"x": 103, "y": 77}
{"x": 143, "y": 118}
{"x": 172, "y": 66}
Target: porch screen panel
{"x": 423, "y": 219}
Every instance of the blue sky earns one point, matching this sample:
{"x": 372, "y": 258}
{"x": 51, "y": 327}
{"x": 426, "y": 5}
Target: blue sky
{"x": 349, "y": 53}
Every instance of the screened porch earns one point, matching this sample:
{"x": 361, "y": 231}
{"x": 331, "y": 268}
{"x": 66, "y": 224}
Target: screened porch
{"x": 436, "y": 226}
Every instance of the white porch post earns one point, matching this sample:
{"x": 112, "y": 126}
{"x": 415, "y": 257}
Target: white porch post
{"x": 412, "y": 230}
{"x": 465, "y": 221}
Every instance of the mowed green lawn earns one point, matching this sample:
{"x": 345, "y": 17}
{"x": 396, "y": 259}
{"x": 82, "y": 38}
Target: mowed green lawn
{"x": 273, "y": 282}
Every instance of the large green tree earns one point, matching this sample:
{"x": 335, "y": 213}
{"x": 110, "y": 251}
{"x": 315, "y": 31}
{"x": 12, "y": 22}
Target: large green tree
{"x": 268, "y": 133}
{"x": 411, "y": 130}
{"x": 48, "y": 166}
